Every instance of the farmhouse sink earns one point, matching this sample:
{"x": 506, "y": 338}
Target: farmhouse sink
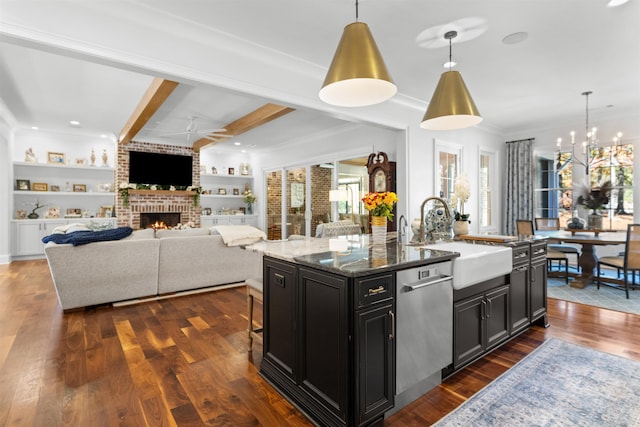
{"x": 476, "y": 263}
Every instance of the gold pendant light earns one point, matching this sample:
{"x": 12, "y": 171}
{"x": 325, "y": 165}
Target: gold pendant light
{"x": 357, "y": 76}
{"x": 451, "y": 105}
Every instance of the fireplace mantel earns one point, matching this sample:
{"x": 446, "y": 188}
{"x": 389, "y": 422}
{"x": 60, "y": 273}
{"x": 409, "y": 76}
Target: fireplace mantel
{"x": 163, "y": 192}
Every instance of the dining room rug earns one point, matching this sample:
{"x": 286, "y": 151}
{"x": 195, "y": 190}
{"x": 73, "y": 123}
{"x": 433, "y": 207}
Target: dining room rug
{"x": 605, "y": 297}
{"x": 558, "y": 384}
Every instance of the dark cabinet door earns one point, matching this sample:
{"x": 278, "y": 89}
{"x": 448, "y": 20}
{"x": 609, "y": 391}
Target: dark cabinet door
{"x": 538, "y": 289}
{"x": 280, "y": 342}
{"x": 497, "y": 316}
{"x": 519, "y": 298}
{"x": 324, "y": 342}
{"x": 375, "y": 355}
{"x": 469, "y": 330}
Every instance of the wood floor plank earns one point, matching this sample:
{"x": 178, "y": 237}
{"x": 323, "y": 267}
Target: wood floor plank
{"x": 183, "y": 361}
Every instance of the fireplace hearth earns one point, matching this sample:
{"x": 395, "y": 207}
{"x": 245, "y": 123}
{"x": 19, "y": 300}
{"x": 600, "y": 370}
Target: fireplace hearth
{"x": 149, "y": 219}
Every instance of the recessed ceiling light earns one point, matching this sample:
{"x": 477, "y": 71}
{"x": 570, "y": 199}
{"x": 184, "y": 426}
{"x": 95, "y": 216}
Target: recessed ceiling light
{"x": 35, "y": 127}
{"x": 104, "y": 135}
{"x": 236, "y": 143}
{"x": 515, "y": 38}
{"x": 449, "y": 64}
{"x": 616, "y": 3}
{"x": 74, "y": 123}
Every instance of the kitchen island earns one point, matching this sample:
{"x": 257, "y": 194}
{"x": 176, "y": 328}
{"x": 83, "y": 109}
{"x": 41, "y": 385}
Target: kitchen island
{"x": 329, "y": 325}
{"x": 336, "y": 329}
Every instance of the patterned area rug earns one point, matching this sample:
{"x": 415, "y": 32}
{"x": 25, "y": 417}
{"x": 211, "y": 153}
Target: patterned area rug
{"x": 559, "y": 384}
{"x": 605, "y": 297}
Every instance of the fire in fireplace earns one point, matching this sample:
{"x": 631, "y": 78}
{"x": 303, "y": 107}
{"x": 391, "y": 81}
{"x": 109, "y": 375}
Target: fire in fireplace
{"x": 156, "y": 219}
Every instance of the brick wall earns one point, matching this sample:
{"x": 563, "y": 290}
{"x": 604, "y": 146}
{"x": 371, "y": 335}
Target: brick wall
{"x": 149, "y": 202}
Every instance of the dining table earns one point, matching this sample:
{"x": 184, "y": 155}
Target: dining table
{"x": 588, "y": 239}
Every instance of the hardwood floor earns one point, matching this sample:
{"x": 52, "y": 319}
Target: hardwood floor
{"x": 183, "y": 361}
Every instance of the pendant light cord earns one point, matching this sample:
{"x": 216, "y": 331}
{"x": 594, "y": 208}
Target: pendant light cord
{"x": 356, "y": 10}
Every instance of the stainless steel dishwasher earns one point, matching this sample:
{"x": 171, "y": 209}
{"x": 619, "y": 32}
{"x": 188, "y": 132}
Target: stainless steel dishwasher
{"x": 424, "y": 322}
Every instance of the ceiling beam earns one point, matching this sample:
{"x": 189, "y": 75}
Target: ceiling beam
{"x": 259, "y": 117}
{"x": 156, "y": 94}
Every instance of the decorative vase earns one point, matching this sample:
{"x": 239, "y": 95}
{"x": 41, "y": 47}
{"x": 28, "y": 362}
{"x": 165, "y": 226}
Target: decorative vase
{"x": 460, "y": 227}
{"x": 105, "y": 158}
{"x": 33, "y": 215}
{"x": 379, "y": 229}
{"x": 93, "y": 158}
{"x": 595, "y": 221}
{"x": 249, "y": 209}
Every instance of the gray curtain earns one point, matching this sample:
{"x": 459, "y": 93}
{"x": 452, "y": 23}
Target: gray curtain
{"x": 520, "y": 175}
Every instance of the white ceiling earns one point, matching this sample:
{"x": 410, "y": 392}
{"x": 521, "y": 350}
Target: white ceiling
{"x": 572, "y": 46}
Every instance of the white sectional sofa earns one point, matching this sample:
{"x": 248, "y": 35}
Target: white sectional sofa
{"x": 144, "y": 265}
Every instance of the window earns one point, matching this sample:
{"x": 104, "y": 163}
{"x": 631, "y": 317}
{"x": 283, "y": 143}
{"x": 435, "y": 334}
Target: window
{"x": 554, "y": 187}
{"x": 487, "y": 198}
{"x": 448, "y": 158}
{"x": 614, "y": 163}
{"x": 554, "y": 195}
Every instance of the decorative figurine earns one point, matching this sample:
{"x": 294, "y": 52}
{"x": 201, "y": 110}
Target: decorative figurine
{"x": 105, "y": 158}
{"x": 93, "y": 158}
{"x": 30, "y": 156}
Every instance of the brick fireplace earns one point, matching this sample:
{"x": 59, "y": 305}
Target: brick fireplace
{"x": 155, "y": 201}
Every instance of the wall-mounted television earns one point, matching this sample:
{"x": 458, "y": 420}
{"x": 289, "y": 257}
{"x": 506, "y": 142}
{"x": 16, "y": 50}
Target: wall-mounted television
{"x": 160, "y": 169}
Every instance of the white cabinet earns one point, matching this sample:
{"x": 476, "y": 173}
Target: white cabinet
{"x": 209, "y": 220}
{"x": 223, "y": 189}
{"x": 28, "y": 233}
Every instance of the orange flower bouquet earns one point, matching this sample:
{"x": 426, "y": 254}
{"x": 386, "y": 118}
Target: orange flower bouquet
{"x": 380, "y": 204}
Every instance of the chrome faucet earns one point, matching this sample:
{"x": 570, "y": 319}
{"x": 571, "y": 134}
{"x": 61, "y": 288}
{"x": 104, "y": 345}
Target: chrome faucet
{"x": 422, "y": 228}
{"x": 402, "y": 230}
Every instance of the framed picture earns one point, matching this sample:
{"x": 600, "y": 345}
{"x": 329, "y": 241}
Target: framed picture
{"x": 207, "y": 211}
{"x": 232, "y": 171}
{"x": 73, "y": 213}
{"x": 23, "y": 184}
{"x": 79, "y": 188}
{"x": 106, "y": 211}
{"x": 236, "y": 191}
{"x": 20, "y": 214}
{"x": 40, "y": 186}
{"x": 52, "y": 213}
{"x": 222, "y": 191}
{"x": 56, "y": 158}
{"x": 54, "y": 188}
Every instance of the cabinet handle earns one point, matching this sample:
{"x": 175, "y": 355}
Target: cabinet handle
{"x": 392, "y": 335}
{"x": 539, "y": 251}
{"x": 376, "y": 290}
{"x": 522, "y": 268}
{"x": 490, "y": 308}
{"x": 483, "y": 310}
{"x": 278, "y": 279}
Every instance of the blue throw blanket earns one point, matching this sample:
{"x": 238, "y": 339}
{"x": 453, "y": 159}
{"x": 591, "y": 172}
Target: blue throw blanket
{"x": 83, "y": 237}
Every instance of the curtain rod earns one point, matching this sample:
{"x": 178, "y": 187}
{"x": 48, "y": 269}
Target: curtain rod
{"x": 520, "y": 140}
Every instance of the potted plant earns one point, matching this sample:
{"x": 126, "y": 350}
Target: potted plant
{"x": 461, "y": 193}
{"x": 595, "y": 199}
{"x": 249, "y": 199}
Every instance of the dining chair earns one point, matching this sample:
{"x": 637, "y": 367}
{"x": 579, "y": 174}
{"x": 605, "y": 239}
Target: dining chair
{"x": 552, "y": 224}
{"x": 629, "y": 262}
{"x": 525, "y": 228}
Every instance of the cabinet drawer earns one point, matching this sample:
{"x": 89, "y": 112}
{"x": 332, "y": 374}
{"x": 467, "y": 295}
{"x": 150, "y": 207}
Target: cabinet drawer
{"x": 521, "y": 255}
{"x": 374, "y": 289}
{"x": 538, "y": 250}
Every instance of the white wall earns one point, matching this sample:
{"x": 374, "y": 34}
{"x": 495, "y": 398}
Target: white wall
{"x": 6, "y": 201}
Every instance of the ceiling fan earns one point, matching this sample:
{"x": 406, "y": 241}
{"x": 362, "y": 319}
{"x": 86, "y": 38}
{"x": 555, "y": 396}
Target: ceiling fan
{"x": 193, "y": 133}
